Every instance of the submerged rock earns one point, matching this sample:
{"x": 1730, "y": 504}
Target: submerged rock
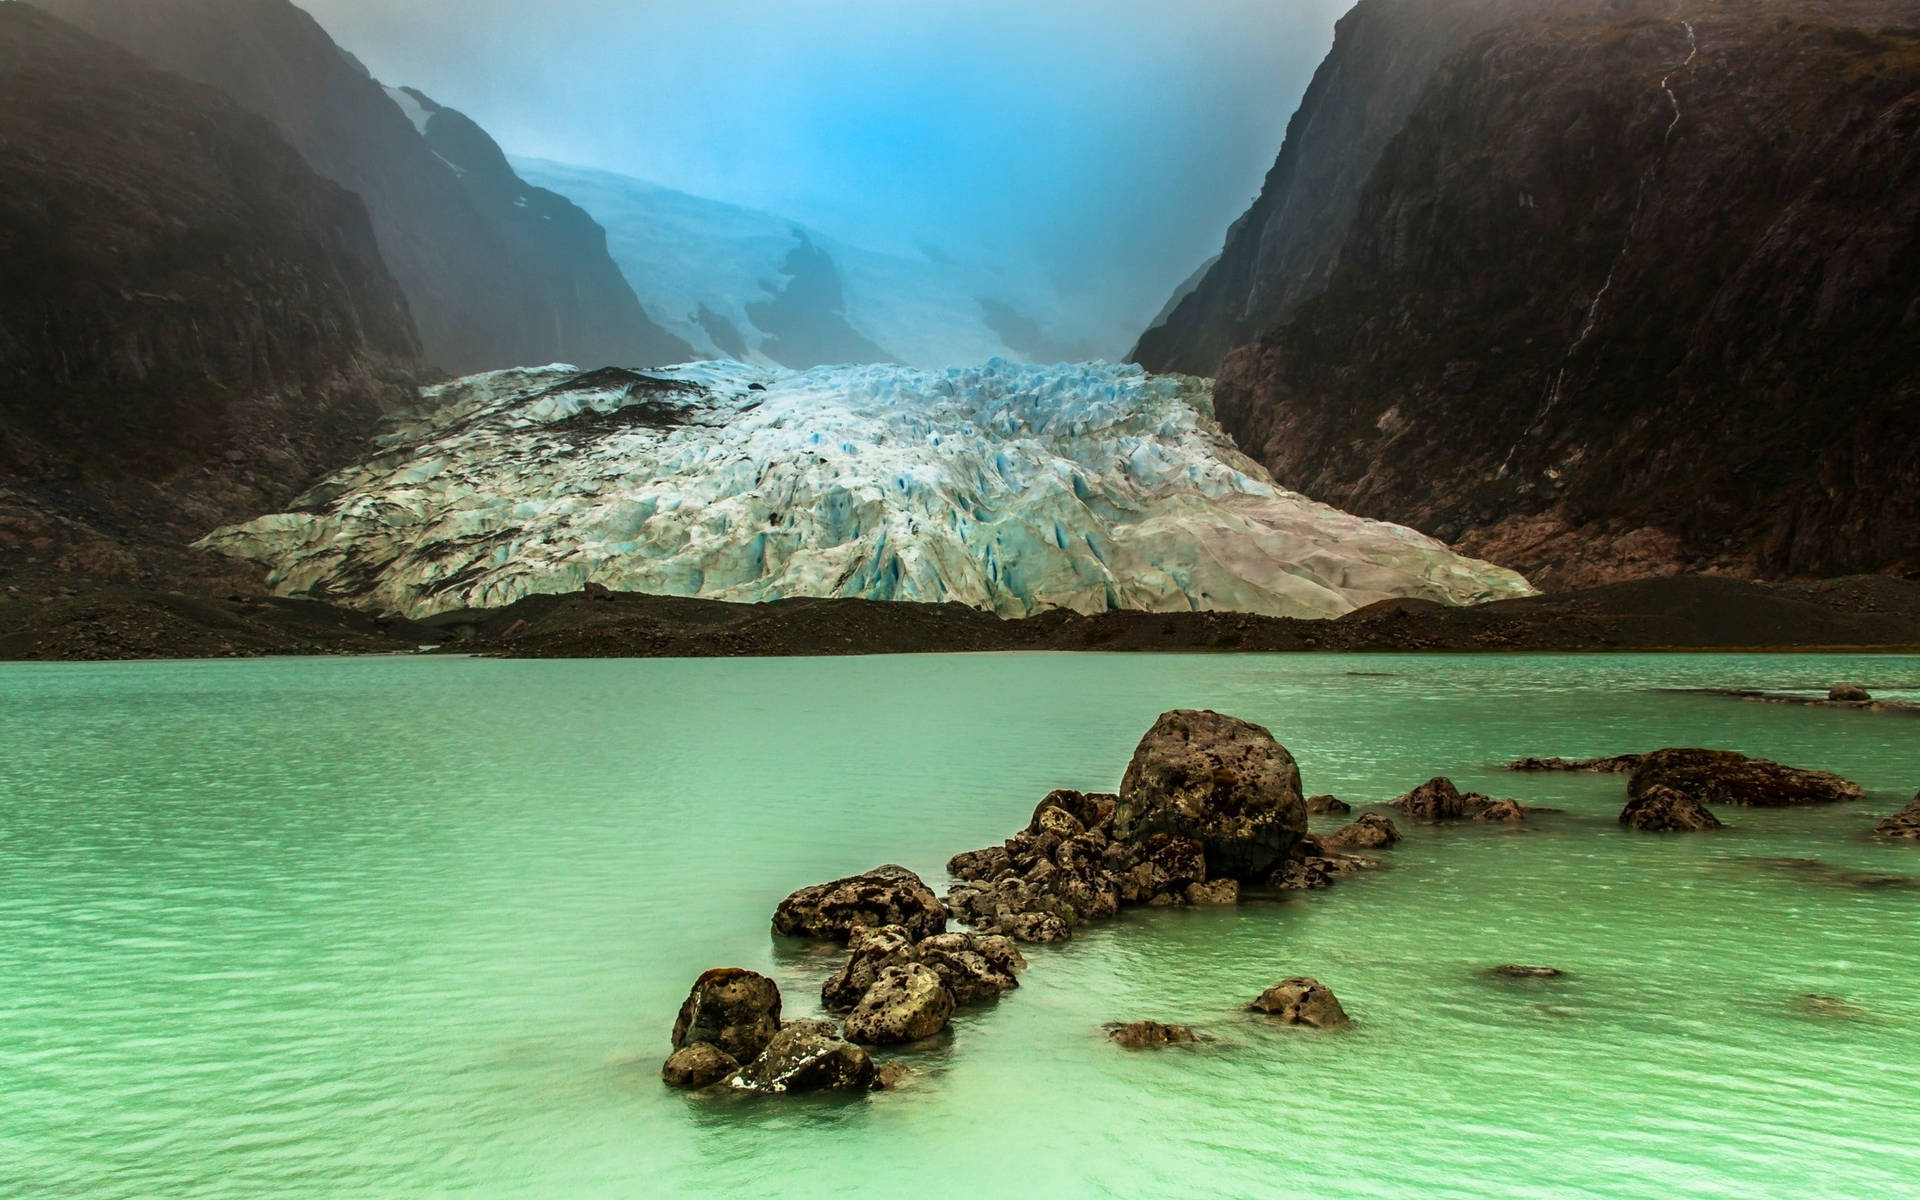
{"x": 699, "y": 1065}
{"x": 1903, "y": 824}
{"x": 807, "y": 1056}
{"x": 732, "y": 1009}
{"x": 892, "y": 1075}
{"x": 889, "y": 895}
{"x": 1218, "y": 780}
{"x": 1716, "y": 777}
{"x": 1523, "y": 971}
{"x": 1301, "y": 1001}
{"x": 1150, "y": 1035}
{"x": 1369, "y": 832}
{"x": 1321, "y": 805}
{"x": 1814, "y": 1004}
{"x": 1661, "y": 809}
{"x": 907, "y": 1002}
{"x": 1619, "y": 764}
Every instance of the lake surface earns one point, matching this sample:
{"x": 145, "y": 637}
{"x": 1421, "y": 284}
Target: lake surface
{"x": 419, "y": 927}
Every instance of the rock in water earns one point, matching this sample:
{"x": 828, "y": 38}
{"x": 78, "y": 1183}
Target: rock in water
{"x": 905, "y": 1004}
{"x": 1370, "y": 832}
{"x": 1661, "y": 809}
{"x": 1301, "y": 1001}
{"x": 974, "y": 968}
{"x": 889, "y": 895}
{"x": 1903, "y": 824}
{"x": 1150, "y": 1035}
{"x": 1502, "y": 810}
{"x": 1224, "y": 782}
{"x": 734, "y": 1010}
{"x": 1435, "y": 800}
{"x": 1524, "y": 971}
{"x": 1089, "y": 488}
{"x": 1848, "y": 693}
{"x": 1317, "y": 805}
{"x": 698, "y": 1065}
{"x": 1715, "y": 777}
{"x": 807, "y": 1056}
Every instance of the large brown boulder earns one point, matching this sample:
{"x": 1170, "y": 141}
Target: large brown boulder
{"x": 807, "y": 1056}
{"x": 1661, "y": 809}
{"x": 732, "y": 1009}
{"x": 1301, "y": 1001}
{"x": 1224, "y": 782}
{"x": 906, "y": 1003}
{"x": 1716, "y": 777}
{"x": 1903, "y": 824}
{"x": 889, "y": 895}
{"x": 697, "y": 1066}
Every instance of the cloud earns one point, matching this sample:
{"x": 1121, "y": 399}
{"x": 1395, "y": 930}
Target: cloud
{"x": 1106, "y": 142}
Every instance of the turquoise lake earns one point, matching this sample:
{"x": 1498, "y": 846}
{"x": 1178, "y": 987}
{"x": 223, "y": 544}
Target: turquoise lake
{"x": 395, "y": 927}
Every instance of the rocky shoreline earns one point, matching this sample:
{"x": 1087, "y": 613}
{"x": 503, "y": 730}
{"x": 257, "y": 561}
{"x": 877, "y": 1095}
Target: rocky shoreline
{"x": 1210, "y": 811}
{"x": 48, "y": 621}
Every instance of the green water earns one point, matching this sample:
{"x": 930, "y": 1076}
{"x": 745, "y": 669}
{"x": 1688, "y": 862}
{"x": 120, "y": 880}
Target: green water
{"x": 419, "y": 927}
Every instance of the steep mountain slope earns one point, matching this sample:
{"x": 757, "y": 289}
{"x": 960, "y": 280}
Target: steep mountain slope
{"x": 192, "y": 322}
{"x": 1634, "y": 289}
{"x": 1010, "y": 488}
{"x": 751, "y": 286}
{"x": 492, "y": 281}
{"x": 1284, "y": 248}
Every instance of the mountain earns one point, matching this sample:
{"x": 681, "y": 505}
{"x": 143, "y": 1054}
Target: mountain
{"x": 1010, "y": 488}
{"x": 497, "y": 273}
{"x": 193, "y": 323}
{"x": 1284, "y": 248}
{"x": 1630, "y": 289}
{"x": 747, "y": 285}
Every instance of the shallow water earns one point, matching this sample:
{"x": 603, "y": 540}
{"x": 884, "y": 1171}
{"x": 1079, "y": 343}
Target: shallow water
{"x": 399, "y": 927}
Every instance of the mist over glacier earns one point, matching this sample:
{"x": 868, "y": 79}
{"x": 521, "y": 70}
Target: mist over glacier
{"x": 1106, "y": 146}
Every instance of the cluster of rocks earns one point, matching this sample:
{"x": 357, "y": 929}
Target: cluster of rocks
{"x": 729, "y": 1031}
{"x": 1439, "y": 800}
{"x": 1210, "y": 805}
{"x": 1296, "y": 1001}
{"x": 1669, "y": 791}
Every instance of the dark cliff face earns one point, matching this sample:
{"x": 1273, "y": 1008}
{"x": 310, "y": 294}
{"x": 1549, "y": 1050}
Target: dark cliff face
{"x": 1633, "y": 290}
{"x": 490, "y": 282}
{"x": 1284, "y": 248}
{"x": 193, "y": 323}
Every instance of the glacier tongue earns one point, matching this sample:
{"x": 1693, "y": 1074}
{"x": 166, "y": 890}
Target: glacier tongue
{"x": 1006, "y": 487}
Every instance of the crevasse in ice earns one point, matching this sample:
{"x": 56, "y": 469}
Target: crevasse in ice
{"x": 1007, "y": 487}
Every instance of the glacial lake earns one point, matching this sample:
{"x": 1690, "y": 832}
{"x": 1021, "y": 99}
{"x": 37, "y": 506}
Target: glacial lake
{"x": 419, "y": 927}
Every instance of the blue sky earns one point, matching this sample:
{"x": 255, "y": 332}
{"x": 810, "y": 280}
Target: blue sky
{"x": 1109, "y": 143}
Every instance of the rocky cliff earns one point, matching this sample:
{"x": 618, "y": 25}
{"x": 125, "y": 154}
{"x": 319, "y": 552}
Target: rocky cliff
{"x": 1284, "y": 248}
{"x": 492, "y": 281}
{"x": 1634, "y": 288}
{"x": 193, "y": 323}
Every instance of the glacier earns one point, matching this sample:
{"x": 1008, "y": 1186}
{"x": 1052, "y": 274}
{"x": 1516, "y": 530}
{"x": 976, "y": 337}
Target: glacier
{"x": 1008, "y": 487}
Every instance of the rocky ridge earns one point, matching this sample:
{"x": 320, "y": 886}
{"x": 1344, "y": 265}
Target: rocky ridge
{"x": 497, "y": 273}
{"x": 1626, "y": 291}
{"x": 194, "y": 322}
